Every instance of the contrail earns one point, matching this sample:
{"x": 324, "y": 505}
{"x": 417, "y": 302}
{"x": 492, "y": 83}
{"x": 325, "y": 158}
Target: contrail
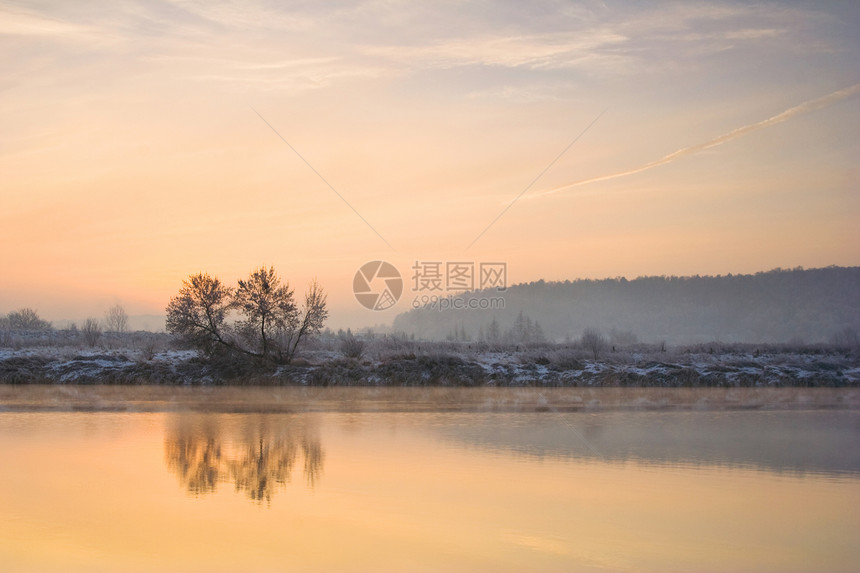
{"x": 324, "y": 180}
{"x": 791, "y": 112}
{"x": 539, "y": 175}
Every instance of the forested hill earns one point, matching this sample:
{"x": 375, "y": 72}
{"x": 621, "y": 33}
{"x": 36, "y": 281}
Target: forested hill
{"x": 812, "y": 305}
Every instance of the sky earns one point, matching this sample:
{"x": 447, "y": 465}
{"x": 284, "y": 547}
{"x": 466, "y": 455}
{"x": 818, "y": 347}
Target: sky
{"x": 148, "y": 140}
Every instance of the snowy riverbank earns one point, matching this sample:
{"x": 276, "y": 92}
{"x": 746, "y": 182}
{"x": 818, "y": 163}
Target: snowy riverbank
{"x": 422, "y": 364}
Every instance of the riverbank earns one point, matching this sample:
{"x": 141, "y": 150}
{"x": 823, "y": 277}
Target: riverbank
{"x": 440, "y": 364}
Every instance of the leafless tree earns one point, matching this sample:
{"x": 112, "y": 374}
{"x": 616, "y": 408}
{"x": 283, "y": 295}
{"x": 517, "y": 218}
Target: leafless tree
{"x": 199, "y": 312}
{"x": 269, "y": 312}
{"x": 116, "y": 319}
{"x": 91, "y": 331}
{"x": 270, "y": 326}
{"x": 593, "y": 341}
{"x": 314, "y": 315}
{"x": 26, "y": 319}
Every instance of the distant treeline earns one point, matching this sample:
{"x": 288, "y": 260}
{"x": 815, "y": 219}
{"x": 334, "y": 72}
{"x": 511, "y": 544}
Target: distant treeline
{"x": 797, "y": 305}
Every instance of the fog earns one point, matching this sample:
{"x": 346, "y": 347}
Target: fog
{"x": 797, "y": 305}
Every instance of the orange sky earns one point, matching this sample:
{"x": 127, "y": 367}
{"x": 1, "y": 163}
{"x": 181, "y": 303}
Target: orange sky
{"x": 131, "y": 154}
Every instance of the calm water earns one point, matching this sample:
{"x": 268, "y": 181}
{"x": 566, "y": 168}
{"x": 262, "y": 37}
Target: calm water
{"x": 132, "y": 479}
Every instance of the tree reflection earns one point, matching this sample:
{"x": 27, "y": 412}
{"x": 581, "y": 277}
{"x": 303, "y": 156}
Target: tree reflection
{"x": 257, "y": 454}
{"x": 196, "y": 461}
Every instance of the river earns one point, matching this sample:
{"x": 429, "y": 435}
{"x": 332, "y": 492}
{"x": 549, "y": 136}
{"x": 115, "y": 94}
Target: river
{"x": 278, "y": 479}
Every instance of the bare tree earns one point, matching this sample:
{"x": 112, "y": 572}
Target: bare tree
{"x": 26, "y": 319}
{"x": 269, "y": 312}
{"x": 91, "y": 331}
{"x": 270, "y": 325}
{"x": 593, "y": 341}
{"x": 199, "y": 312}
{"x": 314, "y": 314}
{"x": 116, "y": 319}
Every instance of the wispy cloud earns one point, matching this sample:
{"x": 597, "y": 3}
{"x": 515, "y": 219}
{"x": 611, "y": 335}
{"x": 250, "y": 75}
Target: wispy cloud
{"x": 805, "y": 107}
{"x": 18, "y": 23}
{"x": 752, "y": 33}
{"x": 535, "y": 51}
{"x": 287, "y": 77}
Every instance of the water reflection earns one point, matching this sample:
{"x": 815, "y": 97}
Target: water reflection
{"x": 820, "y": 442}
{"x": 260, "y": 453}
{"x": 429, "y": 491}
{"x": 256, "y": 453}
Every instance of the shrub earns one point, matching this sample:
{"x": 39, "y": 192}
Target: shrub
{"x": 351, "y": 346}
{"x": 26, "y": 319}
{"x": 91, "y": 331}
{"x": 593, "y": 341}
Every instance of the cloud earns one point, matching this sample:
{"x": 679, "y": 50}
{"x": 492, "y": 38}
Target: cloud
{"x": 286, "y": 76}
{"x": 753, "y": 33}
{"x": 805, "y": 107}
{"x": 244, "y": 15}
{"x": 24, "y": 24}
{"x": 534, "y": 51}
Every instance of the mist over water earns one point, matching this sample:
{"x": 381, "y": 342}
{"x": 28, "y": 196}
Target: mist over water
{"x": 779, "y": 306}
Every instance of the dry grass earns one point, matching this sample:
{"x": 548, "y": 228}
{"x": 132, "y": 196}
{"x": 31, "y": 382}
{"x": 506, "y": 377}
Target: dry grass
{"x": 356, "y": 360}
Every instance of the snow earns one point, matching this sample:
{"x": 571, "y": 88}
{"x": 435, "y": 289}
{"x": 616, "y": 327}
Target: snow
{"x": 551, "y": 366}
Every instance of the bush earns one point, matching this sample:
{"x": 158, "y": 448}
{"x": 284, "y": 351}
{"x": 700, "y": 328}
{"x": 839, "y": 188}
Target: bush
{"x": 351, "y": 346}
{"x": 26, "y": 319}
{"x": 91, "y": 331}
{"x": 593, "y": 341}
